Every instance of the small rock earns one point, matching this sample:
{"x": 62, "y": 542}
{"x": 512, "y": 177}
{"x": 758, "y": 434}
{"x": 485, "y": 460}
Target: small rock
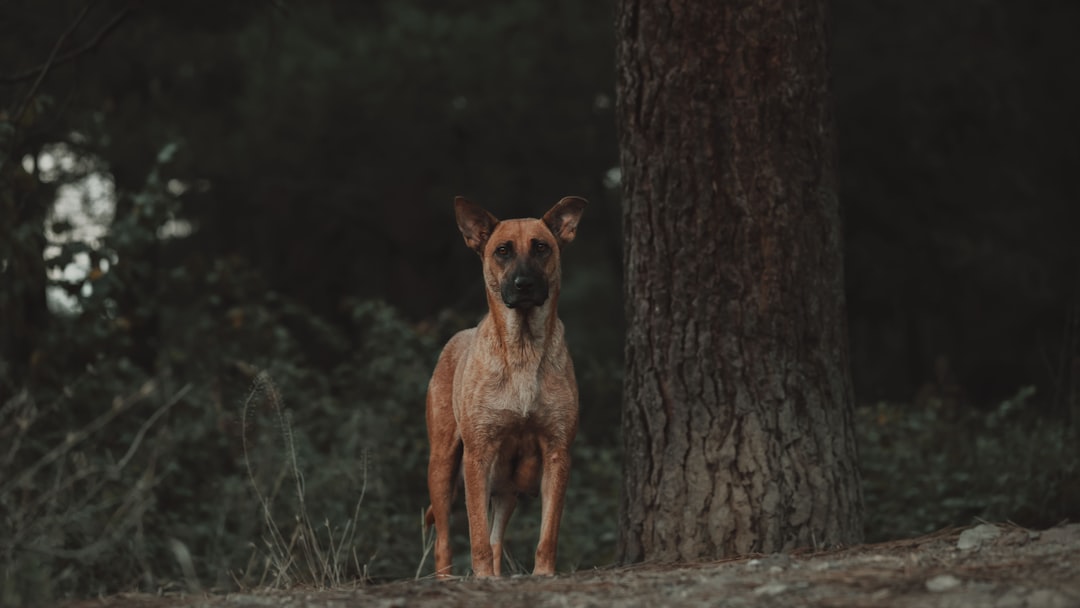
{"x": 774, "y": 563}
{"x": 942, "y": 582}
{"x": 770, "y": 589}
{"x": 976, "y": 537}
{"x": 1012, "y": 598}
{"x": 880, "y": 594}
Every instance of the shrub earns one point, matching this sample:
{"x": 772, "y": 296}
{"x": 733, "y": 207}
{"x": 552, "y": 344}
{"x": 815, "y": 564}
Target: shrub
{"x": 151, "y": 490}
{"x": 925, "y": 469}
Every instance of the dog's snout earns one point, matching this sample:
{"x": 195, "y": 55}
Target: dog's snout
{"x": 524, "y": 283}
{"x": 525, "y": 287}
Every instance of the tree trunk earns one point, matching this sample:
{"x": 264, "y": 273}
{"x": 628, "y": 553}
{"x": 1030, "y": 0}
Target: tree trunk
{"x": 738, "y": 408}
{"x": 24, "y": 312}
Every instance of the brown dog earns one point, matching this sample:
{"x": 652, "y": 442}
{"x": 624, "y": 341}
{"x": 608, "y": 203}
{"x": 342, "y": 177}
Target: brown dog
{"x": 502, "y": 405}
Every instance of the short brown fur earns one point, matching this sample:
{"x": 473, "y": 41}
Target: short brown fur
{"x": 502, "y": 404}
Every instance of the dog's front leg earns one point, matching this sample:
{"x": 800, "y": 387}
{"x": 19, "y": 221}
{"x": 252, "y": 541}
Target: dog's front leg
{"x": 476, "y": 466}
{"x": 556, "y": 472}
{"x": 502, "y": 507}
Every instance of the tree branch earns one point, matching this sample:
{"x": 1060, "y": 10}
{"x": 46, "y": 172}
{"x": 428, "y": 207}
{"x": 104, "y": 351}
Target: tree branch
{"x": 72, "y": 439}
{"x": 56, "y": 59}
{"x": 44, "y": 68}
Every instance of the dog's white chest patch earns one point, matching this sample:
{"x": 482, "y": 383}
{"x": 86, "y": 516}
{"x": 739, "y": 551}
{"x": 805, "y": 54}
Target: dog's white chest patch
{"x": 524, "y": 391}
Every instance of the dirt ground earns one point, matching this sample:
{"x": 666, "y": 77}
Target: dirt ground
{"x": 1001, "y": 565}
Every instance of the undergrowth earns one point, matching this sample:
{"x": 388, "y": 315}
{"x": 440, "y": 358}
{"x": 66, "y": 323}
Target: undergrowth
{"x": 263, "y": 468}
{"x": 299, "y": 552}
{"x": 925, "y": 469}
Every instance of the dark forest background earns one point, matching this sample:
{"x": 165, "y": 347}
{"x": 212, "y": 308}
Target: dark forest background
{"x": 228, "y": 260}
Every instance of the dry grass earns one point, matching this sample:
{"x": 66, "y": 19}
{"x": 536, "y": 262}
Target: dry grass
{"x": 299, "y": 552}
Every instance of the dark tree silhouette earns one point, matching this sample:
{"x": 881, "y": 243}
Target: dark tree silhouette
{"x": 738, "y": 402}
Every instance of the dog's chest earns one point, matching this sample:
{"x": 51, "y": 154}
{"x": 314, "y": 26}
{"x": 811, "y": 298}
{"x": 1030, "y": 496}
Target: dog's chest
{"x": 522, "y": 391}
{"x": 504, "y": 382}
{"x": 503, "y": 390}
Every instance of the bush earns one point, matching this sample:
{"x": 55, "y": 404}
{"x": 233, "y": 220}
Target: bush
{"x": 926, "y": 469}
{"x": 150, "y": 490}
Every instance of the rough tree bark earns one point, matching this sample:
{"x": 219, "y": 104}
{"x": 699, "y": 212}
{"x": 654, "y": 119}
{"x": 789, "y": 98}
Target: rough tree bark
{"x": 738, "y": 404}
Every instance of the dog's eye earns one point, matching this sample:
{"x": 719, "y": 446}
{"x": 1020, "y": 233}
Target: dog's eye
{"x": 540, "y": 247}
{"x": 502, "y": 251}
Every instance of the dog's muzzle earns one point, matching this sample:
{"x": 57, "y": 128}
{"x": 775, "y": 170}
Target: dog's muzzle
{"x": 525, "y": 289}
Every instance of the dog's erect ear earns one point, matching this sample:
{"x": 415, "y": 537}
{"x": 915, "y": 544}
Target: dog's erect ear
{"x": 563, "y": 218}
{"x": 474, "y": 222}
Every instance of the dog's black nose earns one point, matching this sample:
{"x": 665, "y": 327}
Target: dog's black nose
{"x": 524, "y": 283}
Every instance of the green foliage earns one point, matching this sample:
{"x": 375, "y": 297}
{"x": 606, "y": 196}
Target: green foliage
{"x": 925, "y": 469}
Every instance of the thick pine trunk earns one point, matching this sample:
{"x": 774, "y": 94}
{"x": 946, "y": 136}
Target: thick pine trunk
{"x": 738, "y": 405}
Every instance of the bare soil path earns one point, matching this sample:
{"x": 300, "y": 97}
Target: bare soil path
{"x": 1001, "y": 566}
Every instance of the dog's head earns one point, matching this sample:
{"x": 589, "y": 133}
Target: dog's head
{"x": 521, "y": 257}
